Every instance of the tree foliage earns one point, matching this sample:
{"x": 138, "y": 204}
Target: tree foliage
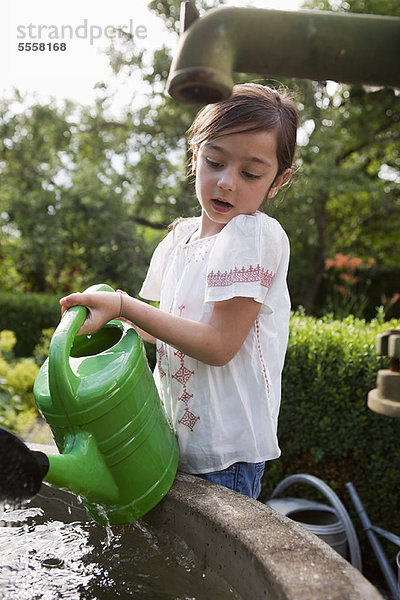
{"x": 346, "y": 196}
{"x": 67, "y": 216}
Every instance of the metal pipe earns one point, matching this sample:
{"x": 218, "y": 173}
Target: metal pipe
{"x": 392, "y": 537}
{"x": 373, "y": 540}
{"x": 319, "y": 45}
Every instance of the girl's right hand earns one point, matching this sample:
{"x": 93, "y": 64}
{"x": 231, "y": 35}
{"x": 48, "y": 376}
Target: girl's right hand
{"x": 102, "y": 308}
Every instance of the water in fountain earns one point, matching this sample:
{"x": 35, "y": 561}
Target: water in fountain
{"x": 65, "y": 557}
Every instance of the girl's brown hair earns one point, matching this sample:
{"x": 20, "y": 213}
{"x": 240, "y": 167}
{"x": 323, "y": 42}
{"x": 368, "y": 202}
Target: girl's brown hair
{"x": 255, "y": 107}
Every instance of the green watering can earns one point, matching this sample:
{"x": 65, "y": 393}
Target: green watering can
{"x": 118, "y": 451}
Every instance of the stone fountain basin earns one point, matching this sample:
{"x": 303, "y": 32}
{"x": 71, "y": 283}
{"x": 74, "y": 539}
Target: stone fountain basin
{"x": 259, "y": 552}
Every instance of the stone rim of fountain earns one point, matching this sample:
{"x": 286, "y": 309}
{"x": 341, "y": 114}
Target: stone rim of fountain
{"x": 258, "y": 551}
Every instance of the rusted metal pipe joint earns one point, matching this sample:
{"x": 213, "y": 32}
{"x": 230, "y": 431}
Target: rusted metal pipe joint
{"x": 319, "y": 45}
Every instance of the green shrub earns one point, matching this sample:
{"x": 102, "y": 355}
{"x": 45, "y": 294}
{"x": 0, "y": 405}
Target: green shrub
{"x": 351, "y": 285}
{"x": 27, "y": 315}
{"x": 325, "y": 427}
{"x": 41, "y": 350}
{"x": 17, "y": 405}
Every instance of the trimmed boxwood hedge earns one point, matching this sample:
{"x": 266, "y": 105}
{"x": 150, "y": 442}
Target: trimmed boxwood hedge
{"x": 27, "y": 315}
{"x": 326, "y": 428}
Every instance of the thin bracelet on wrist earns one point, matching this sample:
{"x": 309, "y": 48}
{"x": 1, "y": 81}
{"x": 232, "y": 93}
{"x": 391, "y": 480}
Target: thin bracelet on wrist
{"x": 120, "y": 306}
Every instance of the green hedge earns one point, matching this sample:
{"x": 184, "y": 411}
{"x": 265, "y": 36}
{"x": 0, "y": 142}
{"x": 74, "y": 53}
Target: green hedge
{"x": 325, "y": 426}
{"x": 27, "y": 315}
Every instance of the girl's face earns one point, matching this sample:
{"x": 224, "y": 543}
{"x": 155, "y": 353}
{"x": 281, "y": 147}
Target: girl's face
{"x": 234, "y": 174}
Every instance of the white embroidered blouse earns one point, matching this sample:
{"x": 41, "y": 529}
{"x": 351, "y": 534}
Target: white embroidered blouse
{"x": 227, "y": 414}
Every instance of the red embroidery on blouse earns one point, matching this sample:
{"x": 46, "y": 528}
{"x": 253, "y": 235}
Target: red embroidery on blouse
{"x": 183, "y": 375}
{"x": 189, "y": 419}
{"x": 257, "y": 326}
{"x": 185, "y": 397}
{"x": 161, "y": 351}
{"x": 250, "y": 275}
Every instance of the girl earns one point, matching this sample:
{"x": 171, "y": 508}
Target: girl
{"x": 221, "y": 328}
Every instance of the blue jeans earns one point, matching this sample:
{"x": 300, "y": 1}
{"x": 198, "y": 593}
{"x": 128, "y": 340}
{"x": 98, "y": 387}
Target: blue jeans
{"x": 241, "y": 477}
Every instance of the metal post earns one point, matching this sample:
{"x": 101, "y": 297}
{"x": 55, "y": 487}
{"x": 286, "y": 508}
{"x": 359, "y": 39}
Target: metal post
{"x": 374, "y": 541}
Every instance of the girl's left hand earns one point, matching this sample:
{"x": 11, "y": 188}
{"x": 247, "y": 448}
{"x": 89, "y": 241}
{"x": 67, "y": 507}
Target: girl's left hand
{"x": 102, "y": 308}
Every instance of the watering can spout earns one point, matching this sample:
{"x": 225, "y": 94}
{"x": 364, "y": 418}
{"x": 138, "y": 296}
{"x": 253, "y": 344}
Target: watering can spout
{"x": 81, "y": 469}
{"x": 308, "y": 44}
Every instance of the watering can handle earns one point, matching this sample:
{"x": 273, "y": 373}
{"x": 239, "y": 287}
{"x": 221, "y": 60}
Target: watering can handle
{"x": 63, "y": 383}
